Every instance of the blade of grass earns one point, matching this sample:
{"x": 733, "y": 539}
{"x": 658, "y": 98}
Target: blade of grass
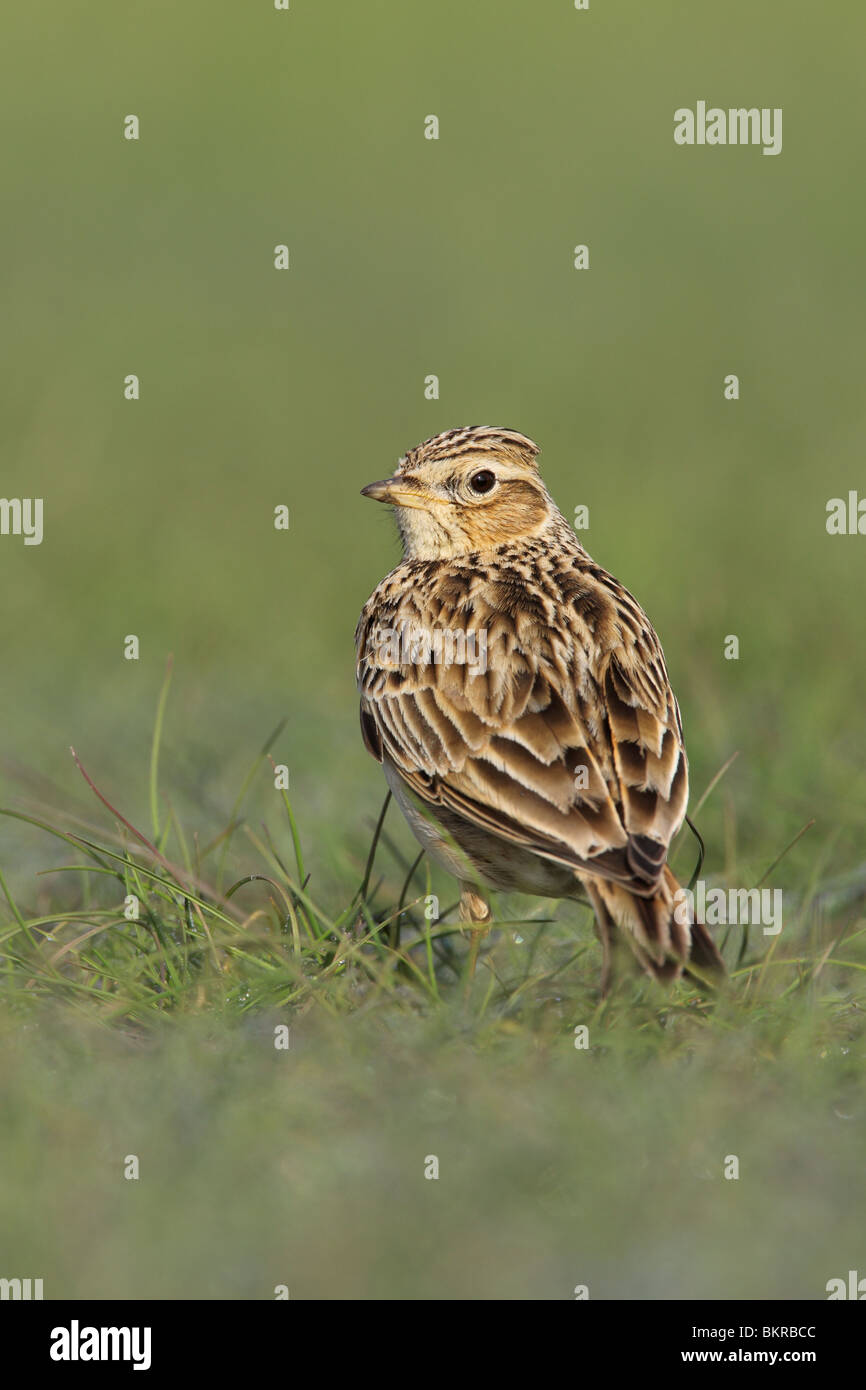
{"x": 715, "y": 782}
{"x": 154, "y": 748}
{"x": 241, "y": 797}
{"x": 365, "y": 882}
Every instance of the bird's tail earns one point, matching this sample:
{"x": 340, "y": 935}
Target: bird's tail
{"x": 662, "y": 930}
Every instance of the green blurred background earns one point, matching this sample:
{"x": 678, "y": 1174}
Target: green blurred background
{"x": 411, "y": 257}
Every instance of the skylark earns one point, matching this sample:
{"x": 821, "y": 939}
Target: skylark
{"x": 517, "y": 697}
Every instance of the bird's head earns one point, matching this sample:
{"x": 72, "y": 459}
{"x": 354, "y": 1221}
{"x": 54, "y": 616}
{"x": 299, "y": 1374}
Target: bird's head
{"x": 466, "y": 490}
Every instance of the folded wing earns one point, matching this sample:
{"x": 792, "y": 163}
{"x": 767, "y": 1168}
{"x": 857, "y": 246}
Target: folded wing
{"x": 568, "y": 742}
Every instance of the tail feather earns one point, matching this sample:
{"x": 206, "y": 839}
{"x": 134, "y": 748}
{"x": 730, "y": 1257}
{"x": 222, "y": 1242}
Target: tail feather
{"x": 661, "y": 930}
{"x": 705, "y": 953}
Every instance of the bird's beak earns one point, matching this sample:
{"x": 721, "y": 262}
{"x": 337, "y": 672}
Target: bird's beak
{"x": 395, "y": 491}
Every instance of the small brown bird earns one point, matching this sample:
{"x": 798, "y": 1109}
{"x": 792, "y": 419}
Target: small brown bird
{"x": 517, "y": 697}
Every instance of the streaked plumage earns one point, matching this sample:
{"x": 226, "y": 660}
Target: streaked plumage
{"x": 486, "y": 764}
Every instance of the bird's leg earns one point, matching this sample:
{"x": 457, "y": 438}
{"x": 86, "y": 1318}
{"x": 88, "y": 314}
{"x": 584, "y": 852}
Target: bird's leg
{"x": 475, "y": 910}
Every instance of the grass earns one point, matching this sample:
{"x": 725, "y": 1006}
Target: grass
{"x": 302, "y": 1163}
{"x": 152, "y": 927}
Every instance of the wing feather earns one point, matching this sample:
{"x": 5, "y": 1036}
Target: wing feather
{"x": 568, "y": 743}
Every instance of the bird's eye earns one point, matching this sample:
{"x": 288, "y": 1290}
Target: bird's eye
{"x": 482, "y": 482}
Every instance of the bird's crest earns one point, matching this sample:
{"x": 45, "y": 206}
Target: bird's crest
{"x": 473, "y": 439}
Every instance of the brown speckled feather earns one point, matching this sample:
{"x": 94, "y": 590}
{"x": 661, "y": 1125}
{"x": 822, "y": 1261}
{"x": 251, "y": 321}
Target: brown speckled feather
{"x": 575, "y": 679}
{"x": 561, "y": 740}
